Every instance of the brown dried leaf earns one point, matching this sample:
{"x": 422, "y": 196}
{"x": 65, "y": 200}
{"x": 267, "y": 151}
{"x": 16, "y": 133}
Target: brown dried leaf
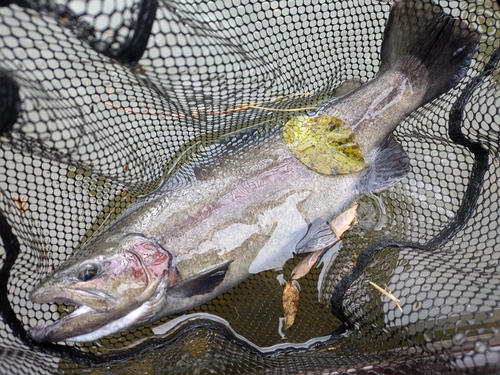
{"x": 291, "y": 293}
{"x": 290, "y": 303}
{"x": 339, "y": 225}
{"x": 343, "y": 222}
{"x": 21, "y": 204}
{"x": 306, "y": 264}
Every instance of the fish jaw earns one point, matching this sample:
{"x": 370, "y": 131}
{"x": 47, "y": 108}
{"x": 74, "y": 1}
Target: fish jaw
{"x": 131, "y": 283}
{"x": 63, "y": 329}
{"x": 114, "y": 326}
{"x": 75, "y": 295}
{"x": 86, "y": 324}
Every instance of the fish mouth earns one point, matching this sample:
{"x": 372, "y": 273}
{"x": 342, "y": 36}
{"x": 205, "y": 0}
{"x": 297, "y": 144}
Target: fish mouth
{"x": 63, "y": 329}
{"x": 96, "y": 299}
{"x": 93, "y": 309}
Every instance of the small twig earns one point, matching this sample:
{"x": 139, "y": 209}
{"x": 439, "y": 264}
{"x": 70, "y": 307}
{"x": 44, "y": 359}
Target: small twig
{"x": 388, "y": 294}
{"x": 283, "y": 109}
{"x": 240, "y": 107}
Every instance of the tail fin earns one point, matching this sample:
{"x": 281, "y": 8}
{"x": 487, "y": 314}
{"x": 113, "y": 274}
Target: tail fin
{"x": 419, "y": 32}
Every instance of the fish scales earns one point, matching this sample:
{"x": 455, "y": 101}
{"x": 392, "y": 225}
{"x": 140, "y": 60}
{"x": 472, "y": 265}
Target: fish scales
{"x": 221, "y": 218}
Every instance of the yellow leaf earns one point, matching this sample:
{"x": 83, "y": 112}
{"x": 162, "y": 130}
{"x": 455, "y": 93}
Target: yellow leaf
{"x": 290, "y": 303}
{"x": 324, "y": 144}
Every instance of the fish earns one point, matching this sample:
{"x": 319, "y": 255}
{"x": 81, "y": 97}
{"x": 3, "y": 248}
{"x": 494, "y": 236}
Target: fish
{"x": 245, "y": 202}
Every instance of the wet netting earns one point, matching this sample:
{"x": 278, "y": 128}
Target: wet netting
{"x": 102, "y": 100}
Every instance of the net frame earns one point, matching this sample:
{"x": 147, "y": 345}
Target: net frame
{"x": 27, "y": 147}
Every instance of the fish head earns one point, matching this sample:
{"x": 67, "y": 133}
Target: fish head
{"x": 114, "y": 284}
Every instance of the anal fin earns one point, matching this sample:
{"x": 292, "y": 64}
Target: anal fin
{"x": 389, "y": 163}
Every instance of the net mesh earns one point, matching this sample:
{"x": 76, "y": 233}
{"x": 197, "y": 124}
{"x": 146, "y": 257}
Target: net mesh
{"x": 100, "y": 101}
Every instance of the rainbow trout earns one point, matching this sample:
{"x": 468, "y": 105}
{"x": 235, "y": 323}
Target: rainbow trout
{"x": 236, "y": 208}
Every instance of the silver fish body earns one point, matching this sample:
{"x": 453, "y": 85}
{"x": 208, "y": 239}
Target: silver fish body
{"x": 247, "y": 203}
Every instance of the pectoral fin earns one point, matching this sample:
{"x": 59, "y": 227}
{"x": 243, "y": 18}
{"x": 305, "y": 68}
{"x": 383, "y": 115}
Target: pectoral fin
{"x": 201, "y": 283}
{"x": 319, "y": 236}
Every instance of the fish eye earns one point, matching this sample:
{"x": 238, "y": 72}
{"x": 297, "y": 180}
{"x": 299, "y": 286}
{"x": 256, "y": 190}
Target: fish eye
{"x": 88, "y": 271}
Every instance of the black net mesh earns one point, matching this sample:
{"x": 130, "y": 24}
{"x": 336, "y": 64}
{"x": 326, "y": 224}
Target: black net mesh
{"x": 100, "y": 101}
